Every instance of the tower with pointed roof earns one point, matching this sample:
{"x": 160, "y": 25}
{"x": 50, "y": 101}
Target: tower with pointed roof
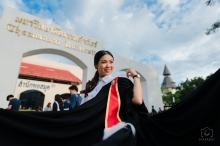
{"x": 167, "y": 81}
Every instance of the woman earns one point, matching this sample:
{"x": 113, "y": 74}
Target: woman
{"x": 48, "y": 107}
{"x": 104, "y": 63}
{"x": 125, "y": 122}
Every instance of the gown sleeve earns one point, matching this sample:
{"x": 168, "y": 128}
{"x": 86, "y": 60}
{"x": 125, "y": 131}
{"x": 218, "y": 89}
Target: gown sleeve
{"x": 125, "y": 87}
{"x": 137, "y": 115}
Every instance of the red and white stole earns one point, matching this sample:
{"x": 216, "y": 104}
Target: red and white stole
{"x": 113, "y": 105}
{"x": 113, "y": 122}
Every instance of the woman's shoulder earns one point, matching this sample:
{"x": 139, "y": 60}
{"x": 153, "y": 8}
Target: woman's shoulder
{"x": 123, "y": 81}
{"x": 125, "y": 88}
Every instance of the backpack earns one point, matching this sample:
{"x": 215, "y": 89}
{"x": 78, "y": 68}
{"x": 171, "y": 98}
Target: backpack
{"x": 77, "y": 100}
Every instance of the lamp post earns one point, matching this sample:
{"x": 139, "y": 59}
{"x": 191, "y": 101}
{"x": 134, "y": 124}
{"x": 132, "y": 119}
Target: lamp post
{"x": 181, "y": 87}
{"x": 194, "y": 86}
{"x": 173, "y": 100}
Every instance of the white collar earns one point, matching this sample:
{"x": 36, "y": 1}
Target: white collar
{"x": 106, "y": 78}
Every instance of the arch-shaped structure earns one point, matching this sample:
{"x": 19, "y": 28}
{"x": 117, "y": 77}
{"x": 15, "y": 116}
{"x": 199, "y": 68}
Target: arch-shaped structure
{"x": 24, "y": 35}
{"x": 142, "y": 76}
{"x": 149, "y": 80}
{"x": 143, "y": 84}
{"x": 71, "y": 57}
{"x": 82, "y": 63}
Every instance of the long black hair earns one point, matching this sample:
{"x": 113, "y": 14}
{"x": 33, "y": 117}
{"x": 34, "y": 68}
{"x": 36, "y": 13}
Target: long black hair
{"x": 90, "y": 85}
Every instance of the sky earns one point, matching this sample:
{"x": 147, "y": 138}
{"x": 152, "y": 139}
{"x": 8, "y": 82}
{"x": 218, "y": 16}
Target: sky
{"x": 152, "y": 32}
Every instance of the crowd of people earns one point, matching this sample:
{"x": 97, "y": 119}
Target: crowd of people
{"x": 59, "y": 104}
{"x": 154, "y": 112}
{"x": 69, "y": 103}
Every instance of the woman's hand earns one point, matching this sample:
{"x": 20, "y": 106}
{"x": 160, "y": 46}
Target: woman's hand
{"x": 130, "y": 72}
{"x": 138, "y": 95}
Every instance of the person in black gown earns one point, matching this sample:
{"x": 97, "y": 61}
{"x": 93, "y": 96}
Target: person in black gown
{"x": 194, "y": 121}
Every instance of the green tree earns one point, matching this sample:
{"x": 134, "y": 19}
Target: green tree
{"x": 183, "y": 90}
{"x": 208, "y": 76}
{"x": 167, "y": 96}
{"x": 189, "y": 86}
{"x": 217, "y": 23}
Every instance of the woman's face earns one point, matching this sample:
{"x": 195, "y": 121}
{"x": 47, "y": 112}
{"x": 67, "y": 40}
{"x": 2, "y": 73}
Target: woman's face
{"x": 105, "y": 65}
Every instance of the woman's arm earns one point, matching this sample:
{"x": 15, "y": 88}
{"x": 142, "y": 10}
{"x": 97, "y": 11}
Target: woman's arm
{"x": 137, "y": 89}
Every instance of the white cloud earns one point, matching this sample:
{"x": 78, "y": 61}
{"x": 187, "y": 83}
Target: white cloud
{"x": 171, "y": 30}
{"x": 11, "y": 3}
{"x": 68, "y": 25}
{"x": 49, "y": 21}
{"x": 55, "y": 58}
{"x": 17, "y": 4}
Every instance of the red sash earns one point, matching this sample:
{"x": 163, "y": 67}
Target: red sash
{"x": 113, "y": 105}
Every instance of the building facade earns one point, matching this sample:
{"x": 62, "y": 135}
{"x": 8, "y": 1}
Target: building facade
{"x": 40, "y": 80}
{"x": 24, "y": 35}
{"x": 167, "y": 81}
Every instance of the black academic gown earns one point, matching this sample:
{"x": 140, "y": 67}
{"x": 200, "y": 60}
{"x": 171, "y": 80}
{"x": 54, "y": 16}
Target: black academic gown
{"x": 84, "y": 126}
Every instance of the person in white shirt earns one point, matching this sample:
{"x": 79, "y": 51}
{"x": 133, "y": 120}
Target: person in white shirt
{"x": 101, "y": 82}
{"x": 48, "y": 107}
{"x": 58, "y": 103}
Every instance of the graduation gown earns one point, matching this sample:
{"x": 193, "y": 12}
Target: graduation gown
{"x": 184, "y": 124}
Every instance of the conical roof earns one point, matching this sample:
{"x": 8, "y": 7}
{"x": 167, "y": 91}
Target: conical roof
{"x": 166, "y": 71}
{"x": 168, "y": 82}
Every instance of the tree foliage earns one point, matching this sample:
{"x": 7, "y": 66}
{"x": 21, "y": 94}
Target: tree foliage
{"x": 213, "y": 28}
{"x": 211, "y": 2}
{"x": 168, "y": 97}
{"x": 216, "y": 24}
{"x": 183, "y": 90}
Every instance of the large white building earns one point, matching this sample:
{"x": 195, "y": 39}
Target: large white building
{"x": 24, "y": 35}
